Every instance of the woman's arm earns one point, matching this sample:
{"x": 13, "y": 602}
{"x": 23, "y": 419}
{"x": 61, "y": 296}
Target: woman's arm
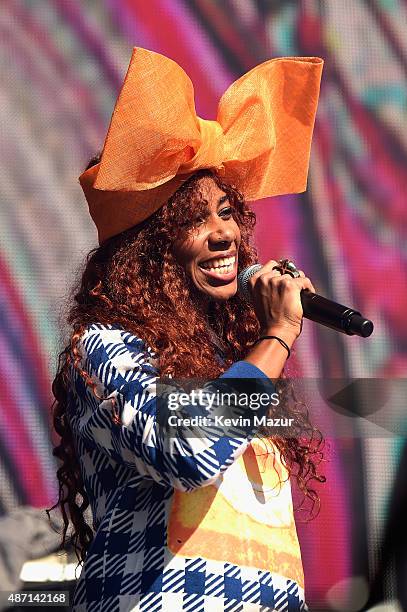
{"x": 184, "y": 458}
{"x": 269, "y": 355}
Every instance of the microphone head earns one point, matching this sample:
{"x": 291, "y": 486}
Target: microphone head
{"x": 243, "y": 280}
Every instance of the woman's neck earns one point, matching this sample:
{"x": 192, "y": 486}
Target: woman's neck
{"x": 206, "y": 308}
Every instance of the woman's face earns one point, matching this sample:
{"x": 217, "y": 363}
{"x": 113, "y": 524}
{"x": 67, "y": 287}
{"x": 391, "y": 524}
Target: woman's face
{"x": 209, "y": 253}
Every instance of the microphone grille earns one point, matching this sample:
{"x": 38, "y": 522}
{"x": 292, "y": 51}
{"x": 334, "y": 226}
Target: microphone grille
{"x": 243, "y": 280}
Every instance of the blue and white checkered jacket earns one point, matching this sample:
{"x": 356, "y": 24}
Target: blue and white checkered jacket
{"x": 133, "y": 473}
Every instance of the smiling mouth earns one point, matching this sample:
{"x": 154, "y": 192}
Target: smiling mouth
{"x": 219, "y": 267}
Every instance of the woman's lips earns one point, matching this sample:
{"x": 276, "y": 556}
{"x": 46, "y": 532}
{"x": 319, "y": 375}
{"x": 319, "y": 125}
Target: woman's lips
{"x": 221, "y": 277}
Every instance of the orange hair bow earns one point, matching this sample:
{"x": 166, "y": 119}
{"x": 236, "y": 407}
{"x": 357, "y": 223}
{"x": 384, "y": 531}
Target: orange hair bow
{"x": 259, "y": 143}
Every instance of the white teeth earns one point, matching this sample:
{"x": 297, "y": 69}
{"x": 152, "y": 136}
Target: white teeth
{"x": 216, "y": 264}
{"x": 221, "y": 269}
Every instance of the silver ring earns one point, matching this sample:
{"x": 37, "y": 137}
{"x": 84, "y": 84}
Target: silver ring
{"x": 286, "y": 266}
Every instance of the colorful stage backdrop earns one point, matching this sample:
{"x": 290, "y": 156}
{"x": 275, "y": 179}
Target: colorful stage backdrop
{"x": 61, "y": 65}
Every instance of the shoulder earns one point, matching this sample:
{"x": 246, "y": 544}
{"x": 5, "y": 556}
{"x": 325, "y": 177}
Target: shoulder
{"x": 111, "y": 337}
{"x": 110, "y": 352}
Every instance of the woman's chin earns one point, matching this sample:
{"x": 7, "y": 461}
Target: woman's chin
{"x": 221, "y": 294}
{"x": 216, "y": 289}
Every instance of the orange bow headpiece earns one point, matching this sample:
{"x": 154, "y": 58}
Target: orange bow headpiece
{"x": 260, "y": 141}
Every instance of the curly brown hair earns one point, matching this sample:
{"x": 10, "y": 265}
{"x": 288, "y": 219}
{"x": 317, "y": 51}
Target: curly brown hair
{"x": 134, "y": 280}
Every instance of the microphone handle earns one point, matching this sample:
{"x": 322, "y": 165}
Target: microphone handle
{"x": 319, "y": 309}
{"x": 333, "y": 315}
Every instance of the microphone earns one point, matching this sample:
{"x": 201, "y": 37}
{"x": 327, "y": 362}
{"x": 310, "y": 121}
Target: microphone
{"x": 318, "y": 309}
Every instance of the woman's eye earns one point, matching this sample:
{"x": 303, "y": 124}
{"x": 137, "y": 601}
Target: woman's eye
{"x": 192, "y": 222}
{"x": 226, "y": 212}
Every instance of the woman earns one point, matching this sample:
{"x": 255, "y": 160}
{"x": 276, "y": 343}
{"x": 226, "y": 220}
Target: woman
{"x": 182, "y": 522}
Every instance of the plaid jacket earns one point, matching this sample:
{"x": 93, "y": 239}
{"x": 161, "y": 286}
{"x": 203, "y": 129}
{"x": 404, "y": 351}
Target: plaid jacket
{"x": 159, "y": 543}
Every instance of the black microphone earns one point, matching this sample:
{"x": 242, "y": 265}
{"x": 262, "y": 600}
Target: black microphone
{"x": 319, "y": 309}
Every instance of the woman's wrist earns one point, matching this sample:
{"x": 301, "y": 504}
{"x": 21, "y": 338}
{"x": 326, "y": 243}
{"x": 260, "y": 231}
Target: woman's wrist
{"x": 274, "y": 337}
{"x": 270, "y": 355}
{"x": 288, "y": 334}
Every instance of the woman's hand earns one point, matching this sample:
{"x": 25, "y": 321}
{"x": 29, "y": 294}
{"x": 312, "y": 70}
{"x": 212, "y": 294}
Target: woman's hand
{"x": 276, "y": 301}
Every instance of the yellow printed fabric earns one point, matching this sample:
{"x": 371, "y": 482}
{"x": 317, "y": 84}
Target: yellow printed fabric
{"x": 246, "y": 518}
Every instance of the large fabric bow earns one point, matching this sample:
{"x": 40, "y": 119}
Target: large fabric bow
{"x": 260, "y": 141}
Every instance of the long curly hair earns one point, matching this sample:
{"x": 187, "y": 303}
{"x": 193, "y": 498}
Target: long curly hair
{"x": 134, "y": 280}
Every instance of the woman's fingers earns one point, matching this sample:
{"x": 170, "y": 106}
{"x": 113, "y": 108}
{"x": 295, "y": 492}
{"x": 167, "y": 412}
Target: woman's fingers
{"x": 302, "y": 275}
{"x": 286, "y": 281}
{"x": 266, "y": 269}
{"x": 276, "y": 296}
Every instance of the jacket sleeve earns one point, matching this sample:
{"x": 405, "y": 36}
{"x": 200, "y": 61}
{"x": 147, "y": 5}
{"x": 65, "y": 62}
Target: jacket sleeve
{"x": 184, "y": 457}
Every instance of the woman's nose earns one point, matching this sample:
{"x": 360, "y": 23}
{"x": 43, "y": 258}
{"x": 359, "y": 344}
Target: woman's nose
{"x": 222, "y": 231}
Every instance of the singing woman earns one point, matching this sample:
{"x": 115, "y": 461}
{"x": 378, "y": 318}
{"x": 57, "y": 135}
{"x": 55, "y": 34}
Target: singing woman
{"x": 183, "y": 521}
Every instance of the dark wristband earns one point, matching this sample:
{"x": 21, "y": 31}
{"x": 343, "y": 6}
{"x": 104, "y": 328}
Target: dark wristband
{"x": 284, "y": 344}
